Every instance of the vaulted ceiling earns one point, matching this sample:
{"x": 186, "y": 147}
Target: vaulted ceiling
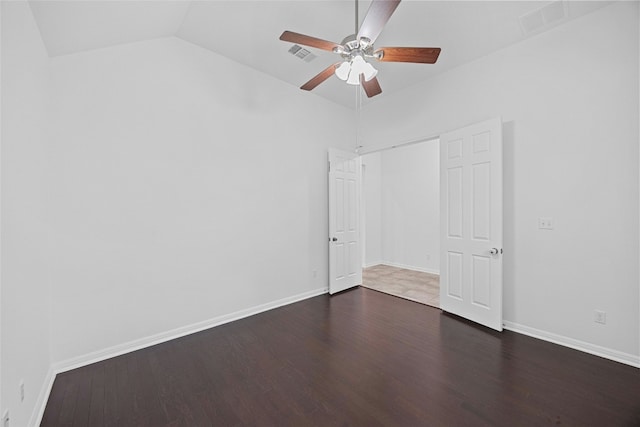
{"x": 248, "y": 31}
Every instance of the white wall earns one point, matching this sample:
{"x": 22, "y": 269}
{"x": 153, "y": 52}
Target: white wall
{"x": 24, "y": 295}
{"x": 411, "y": 207}
{"x": 182, "y": 187}
{"x": 372, "y": 207}
{"x": 571, "y": 152}
{"x": 402, "y": 204}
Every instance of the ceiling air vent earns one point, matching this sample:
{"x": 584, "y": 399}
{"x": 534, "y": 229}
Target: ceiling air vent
{"x": 544, "y": 18}
{"x": 302, "y": 53}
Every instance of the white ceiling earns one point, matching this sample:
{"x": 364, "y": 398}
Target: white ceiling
{"x": 248, "y": 31}
{"x": 75, "y": 26}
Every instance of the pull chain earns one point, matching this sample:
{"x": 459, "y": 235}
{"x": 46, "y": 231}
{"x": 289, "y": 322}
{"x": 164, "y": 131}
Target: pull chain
{"x": 358, "y": 117}
{"x": 357, "y": 88}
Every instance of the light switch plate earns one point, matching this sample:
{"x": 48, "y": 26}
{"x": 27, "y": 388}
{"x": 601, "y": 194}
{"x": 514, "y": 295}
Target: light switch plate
{"x": 545, "y": 223}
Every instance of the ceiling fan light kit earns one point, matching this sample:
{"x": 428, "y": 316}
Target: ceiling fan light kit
{"x": 350, "y": 70}
{"x": 354, "y": 69}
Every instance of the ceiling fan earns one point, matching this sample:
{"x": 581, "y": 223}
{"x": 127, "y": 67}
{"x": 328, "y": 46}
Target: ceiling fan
{"x": 357, "y": 48}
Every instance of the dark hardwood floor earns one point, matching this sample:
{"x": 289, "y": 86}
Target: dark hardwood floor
{"x": 360, "y": 358}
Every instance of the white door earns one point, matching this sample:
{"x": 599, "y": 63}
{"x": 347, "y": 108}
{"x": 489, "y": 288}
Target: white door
{"x": 345, "y": 269}
{"x": 471, "y": 223}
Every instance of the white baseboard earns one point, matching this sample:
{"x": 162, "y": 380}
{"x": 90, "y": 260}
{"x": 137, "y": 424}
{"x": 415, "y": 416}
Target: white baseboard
{"x": 138, "y": 344}
{"x": 128, "y": 347}
{"x": 161, "y": 337}
{"x": 372, "y": 264}
{"x": 43, "y": 396}
{"x": 607, "y": 353}
{"x": 411, "y": 267}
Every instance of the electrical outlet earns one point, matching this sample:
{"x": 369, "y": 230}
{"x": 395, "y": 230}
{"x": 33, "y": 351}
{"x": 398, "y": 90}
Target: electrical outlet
{"x": 22, "y": 391}
{"x": 600, "y": 317}
{"x": 5, "y": 419}
{"x": 314, "y": 273}
{"x": 427, "y": 257}
{"x": 545, "y": 223}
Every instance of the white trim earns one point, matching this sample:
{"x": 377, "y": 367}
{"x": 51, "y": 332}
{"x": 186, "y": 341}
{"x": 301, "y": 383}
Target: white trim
{"x": 117, "y": 350}
{"x": 400, "y": 144}
{"x": 372, "y": 264}
{"x": 411, "y": 267}
{"x": 43, "y": 397}
{"x": 607, "y": 353}
{"x": 120, "y": 349}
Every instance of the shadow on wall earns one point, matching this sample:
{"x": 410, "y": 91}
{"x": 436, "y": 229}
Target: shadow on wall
{"x": 509, "y": 192}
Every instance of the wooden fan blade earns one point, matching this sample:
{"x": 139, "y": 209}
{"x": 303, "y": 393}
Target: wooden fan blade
{"x": 422, "y": 55}
{"x": 377, "y": 16}
{"x": 371, "y": 87}
{"x": 290, "y": 36}
{"x": 324, "y": 75}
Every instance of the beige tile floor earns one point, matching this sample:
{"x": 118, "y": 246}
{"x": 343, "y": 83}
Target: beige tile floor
{"x": 410, "y": 284}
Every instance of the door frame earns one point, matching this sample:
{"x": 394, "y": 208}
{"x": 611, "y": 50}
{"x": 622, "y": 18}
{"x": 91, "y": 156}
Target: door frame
{"x": 432, "y": 139}
{"x": 418, "y": 141}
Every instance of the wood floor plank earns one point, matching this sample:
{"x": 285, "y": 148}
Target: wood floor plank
{"x": 359, "y": 358}
{"x": 83, "y": 401}
{"x": 56, "y": 398}
{"x": 96, "y": 409}
{"x": 145, "y": 391}
{"x": 111, "y": 412}
{"x": 68, "y": 406}
{"x": 124, "y": 391}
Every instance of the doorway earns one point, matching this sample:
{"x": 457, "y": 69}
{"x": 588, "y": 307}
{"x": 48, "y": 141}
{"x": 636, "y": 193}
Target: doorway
{"x": 401, "y": 221}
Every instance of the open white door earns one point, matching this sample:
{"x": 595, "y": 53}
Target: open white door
{"x": 471, "y": 223}
{"x": 345, "y": 269}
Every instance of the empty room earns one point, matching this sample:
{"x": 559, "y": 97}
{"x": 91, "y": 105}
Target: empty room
{"x": 181, "y": 190}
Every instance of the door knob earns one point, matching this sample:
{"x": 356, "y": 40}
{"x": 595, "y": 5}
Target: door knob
{"x": 494, "y": 251}
{"x": 334, "y": 239}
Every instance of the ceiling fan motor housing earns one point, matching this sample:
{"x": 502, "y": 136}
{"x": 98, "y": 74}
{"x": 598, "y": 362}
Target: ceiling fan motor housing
{"x": 350, "y": 47}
